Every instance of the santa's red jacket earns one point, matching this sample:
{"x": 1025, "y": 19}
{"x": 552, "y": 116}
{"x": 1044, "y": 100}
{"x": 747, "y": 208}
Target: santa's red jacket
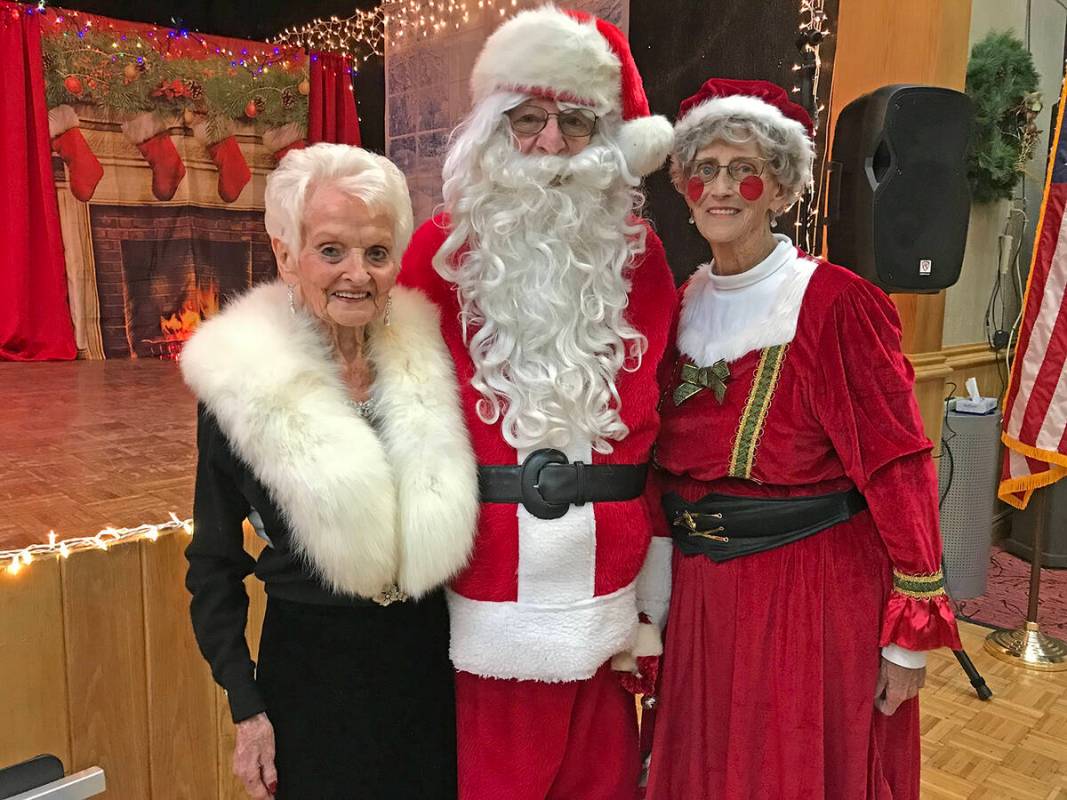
{"x": 552, "y": 600}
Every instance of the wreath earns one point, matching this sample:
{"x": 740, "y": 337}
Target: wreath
{"x": 1002, "y": 83}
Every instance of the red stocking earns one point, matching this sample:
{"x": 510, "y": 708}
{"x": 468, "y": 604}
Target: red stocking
{"x": 281, "y": 140}
{"x": 233, "y": 169}
{"x": 226, "y": 153}
{"x": 149, "y": 133}
{"x": 67, "y": 140}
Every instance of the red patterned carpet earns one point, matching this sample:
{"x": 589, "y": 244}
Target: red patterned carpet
{"x": 1004, "y": 603}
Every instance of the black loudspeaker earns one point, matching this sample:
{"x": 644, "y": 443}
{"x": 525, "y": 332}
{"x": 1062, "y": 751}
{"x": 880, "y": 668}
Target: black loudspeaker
{"x": 899, "y": 199}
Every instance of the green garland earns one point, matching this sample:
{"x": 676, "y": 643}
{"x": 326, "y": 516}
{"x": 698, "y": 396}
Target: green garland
{"x": 90, "y": 69}
{"x": 1002, "y": 82}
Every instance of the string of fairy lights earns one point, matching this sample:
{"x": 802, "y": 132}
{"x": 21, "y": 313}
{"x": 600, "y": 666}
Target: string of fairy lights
{"x": 415, "y": 20}
{"x": 20, "y": 559}
{"x": 812, "y": 30}
{"x": 360, "y": 36}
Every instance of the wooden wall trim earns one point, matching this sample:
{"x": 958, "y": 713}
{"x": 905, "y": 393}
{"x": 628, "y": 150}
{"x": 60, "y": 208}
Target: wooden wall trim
{"x": 99, "y": 667}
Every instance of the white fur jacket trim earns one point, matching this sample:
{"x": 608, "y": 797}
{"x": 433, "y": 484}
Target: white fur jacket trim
{"x": 365, "y": 508}
{"x": 779, "y": 327}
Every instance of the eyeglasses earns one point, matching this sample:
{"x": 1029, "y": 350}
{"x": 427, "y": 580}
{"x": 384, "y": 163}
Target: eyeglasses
{"x": 738, "y": 169}
{"x": 531, "y": 120}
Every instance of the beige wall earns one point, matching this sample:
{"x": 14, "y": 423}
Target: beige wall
{"x": 965, "y": 303}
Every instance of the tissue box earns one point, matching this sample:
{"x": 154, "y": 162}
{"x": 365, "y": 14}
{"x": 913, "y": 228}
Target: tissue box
{"x": 983, "y": 405}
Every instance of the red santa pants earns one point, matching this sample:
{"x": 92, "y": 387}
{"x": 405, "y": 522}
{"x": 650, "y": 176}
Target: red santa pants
{"x": 527, "y": 740}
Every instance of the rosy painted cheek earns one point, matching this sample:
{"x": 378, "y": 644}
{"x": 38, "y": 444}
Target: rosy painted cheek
{"x": 751, "y": 188}
{"x": 694, "y": 190}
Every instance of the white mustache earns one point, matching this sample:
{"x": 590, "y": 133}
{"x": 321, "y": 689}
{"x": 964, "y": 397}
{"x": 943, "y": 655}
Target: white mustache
{"x": 595, "y": 167}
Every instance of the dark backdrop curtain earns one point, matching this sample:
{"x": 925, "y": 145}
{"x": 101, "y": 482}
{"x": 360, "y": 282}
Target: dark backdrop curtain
{"x": 34, "y": 317}
{"x": 724, "y": 39}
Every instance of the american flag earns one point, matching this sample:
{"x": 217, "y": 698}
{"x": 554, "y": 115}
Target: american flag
{"x": 1035, "y": 408}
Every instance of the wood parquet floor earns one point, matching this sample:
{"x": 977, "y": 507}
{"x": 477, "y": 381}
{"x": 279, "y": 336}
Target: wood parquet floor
{"x": 87, "y": 444}
{"x": 1013, "y": 747}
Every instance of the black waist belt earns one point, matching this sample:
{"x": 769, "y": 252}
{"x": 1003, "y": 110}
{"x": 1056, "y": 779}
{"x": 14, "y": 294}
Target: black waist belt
{"x": 722, "y": 527}
{"x": 547, "y": 485}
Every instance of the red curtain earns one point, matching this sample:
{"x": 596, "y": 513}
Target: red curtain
{"x": 331, "y": 103}
{"x": 34, "y": 318}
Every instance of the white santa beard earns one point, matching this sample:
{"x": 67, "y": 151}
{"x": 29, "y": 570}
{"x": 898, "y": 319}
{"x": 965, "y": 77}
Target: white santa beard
{"x": 543, "y": 291}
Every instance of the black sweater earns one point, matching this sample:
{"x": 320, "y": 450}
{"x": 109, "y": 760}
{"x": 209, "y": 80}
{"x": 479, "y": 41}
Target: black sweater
{"x": 226, "y": 493}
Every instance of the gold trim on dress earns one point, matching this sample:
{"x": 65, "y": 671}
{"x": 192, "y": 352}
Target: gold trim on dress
{"x": 920, "y": 587}
{"x": 750, "y": 428}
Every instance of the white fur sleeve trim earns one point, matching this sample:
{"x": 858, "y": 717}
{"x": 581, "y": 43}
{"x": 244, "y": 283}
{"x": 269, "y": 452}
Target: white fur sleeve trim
{"x": 143, "y": 127}
{"x": 60, "y": 120}
{"x": 541, "y": 642}
{"x": 654, "y": 581}
{"x": 648, "y": 642}
{"x": 903, "y": 657}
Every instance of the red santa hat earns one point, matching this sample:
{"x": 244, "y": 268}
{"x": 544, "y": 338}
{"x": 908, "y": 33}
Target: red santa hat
{"x": 752, "y": 101}
{"x": 575, "y": 58}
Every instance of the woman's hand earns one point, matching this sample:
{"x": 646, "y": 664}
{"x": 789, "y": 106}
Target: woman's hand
{"x": 253, "y": 757}
{"x": 895, "y": 685}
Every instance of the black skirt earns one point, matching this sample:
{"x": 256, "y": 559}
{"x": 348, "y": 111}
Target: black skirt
{"x": 361, "y": 699}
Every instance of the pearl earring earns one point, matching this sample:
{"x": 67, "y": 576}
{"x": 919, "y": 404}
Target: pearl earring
{"x": 388, "y": 309}
{"x": 292, "y": 301}
{"x": 691, "y": 220}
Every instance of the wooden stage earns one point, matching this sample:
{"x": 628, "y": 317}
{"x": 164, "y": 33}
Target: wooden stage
{"x": 88, "y": 444}
{"x": 97, "y": 659}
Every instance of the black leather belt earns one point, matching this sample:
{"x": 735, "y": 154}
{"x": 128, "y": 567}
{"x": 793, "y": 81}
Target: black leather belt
{"x": 723, "y": 527}
{"x": 547, "y": 485}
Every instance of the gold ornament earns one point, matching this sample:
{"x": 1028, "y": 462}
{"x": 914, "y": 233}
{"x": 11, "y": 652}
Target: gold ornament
{"x": 130, "y": 72}
{"x": 304, "y": 87}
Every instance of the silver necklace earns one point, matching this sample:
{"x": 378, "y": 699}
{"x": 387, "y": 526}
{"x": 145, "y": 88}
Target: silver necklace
{"x": 364, "y": 408}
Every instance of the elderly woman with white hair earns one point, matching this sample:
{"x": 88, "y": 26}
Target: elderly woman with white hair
{"x": 329, "y": 419}
{"x": 799, "y": 491}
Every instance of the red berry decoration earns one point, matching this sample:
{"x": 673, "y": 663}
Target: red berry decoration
{"x": 251, "y": 110}
{"x": 72, "y": 84}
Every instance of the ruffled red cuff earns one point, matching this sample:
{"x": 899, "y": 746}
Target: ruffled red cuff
{"x": 918, "y": 615}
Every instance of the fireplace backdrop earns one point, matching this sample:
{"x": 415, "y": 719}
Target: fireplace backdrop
{"x": 162, "y": 142}
{"x": 161, "y": 270}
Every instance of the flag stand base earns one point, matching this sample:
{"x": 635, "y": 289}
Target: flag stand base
{"x": 1029, "y": 648}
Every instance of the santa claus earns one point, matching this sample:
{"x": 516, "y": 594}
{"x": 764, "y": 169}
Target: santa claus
{"x": 556, "y": 300}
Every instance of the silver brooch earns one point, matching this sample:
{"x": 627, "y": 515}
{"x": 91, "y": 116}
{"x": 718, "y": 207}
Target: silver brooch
{"x": 391, "y": 595}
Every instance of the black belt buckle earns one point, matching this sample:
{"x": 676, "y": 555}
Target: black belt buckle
{"x": 532, "y": 500}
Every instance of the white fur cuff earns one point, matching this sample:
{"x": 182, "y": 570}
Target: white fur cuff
{"x": 654, "y": 580}
{"x": 208, "y": 136}
{"x": 274, "y": 139}
{"x": 60, "y": 120}
{"x": 648, "y": 643}
{"x": 143, "y": 127}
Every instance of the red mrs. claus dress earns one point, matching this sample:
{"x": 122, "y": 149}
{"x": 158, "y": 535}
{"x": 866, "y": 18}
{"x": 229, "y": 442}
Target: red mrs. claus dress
{"x": 771, "y": 660}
